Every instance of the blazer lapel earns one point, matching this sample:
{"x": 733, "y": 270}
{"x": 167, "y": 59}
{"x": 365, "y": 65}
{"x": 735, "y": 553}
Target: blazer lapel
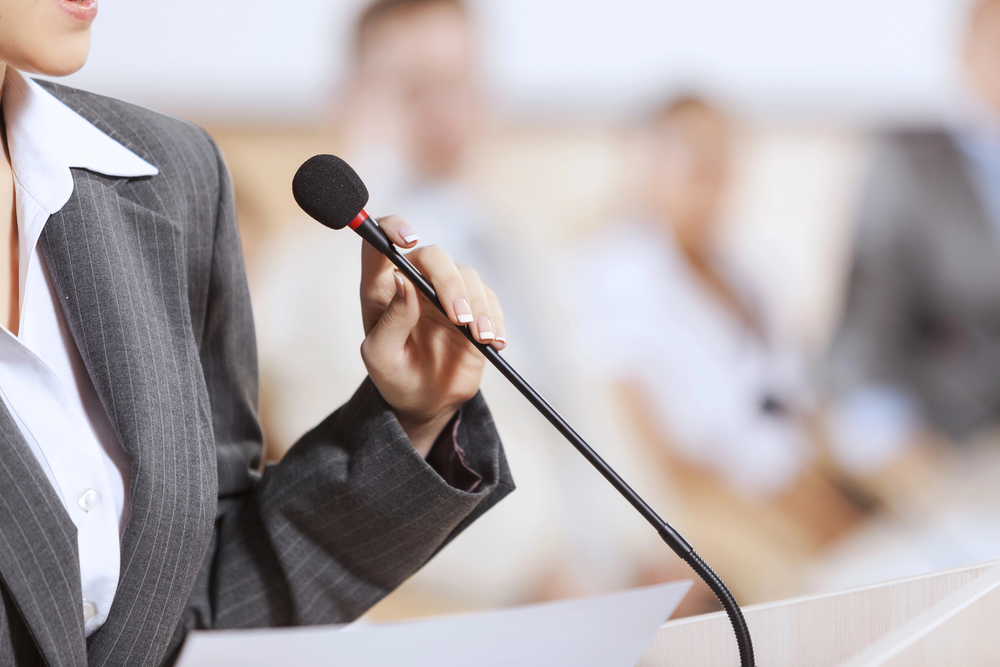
{"x": 119, "y": 271}
{"x": 39, "y": 561}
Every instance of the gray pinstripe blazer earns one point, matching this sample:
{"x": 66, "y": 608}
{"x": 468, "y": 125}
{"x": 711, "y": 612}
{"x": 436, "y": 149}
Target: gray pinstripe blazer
{"x": 150, "y": 275}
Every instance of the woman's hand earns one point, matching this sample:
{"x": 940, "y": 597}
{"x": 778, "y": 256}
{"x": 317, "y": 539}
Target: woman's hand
{"x": 420, "y": 362}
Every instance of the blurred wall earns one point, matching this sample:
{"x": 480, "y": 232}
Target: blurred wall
{"x": 257, "y": 60}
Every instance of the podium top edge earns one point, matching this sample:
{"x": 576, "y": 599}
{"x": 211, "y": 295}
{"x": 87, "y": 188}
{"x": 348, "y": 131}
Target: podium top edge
{"x": 810, "y": 597}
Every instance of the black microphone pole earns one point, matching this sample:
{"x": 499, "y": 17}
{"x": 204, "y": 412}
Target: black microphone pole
{"x": 373, "y": 234}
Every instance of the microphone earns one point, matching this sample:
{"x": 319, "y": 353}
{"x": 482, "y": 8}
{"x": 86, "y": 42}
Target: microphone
{"x": 332, "y": 193}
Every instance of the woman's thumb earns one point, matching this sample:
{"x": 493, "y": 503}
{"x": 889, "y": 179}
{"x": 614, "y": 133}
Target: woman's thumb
{"x": 389, "y": 334}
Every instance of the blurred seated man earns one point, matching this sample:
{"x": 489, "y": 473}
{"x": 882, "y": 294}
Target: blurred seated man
{"x": 724, "y": 405}
{"x": 919, "y": 343}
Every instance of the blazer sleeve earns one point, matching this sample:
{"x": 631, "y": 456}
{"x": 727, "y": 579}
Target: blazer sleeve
{"x": 349, "y": 513}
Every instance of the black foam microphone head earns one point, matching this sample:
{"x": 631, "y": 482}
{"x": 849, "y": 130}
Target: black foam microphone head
{"x": 329, "y": 190}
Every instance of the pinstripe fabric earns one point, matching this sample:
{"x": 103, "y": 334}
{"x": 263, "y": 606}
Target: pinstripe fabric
{"x": 149, "y": 273}
{"x": 38, "y": 560}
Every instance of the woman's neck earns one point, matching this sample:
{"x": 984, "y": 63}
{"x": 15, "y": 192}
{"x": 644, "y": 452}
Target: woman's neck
{"x": 9, "y": 259}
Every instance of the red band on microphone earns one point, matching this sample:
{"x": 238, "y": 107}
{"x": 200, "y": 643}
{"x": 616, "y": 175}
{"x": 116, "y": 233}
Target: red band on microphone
{"x": 361, "y": 217}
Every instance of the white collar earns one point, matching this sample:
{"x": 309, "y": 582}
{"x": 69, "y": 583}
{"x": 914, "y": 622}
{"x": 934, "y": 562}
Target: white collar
{"x": 46, "y": 138}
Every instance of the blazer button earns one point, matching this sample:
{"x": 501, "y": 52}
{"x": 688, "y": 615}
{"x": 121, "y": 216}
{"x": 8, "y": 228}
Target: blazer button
{"x": 88, "y": 500}
{"x": 89, "y": 609}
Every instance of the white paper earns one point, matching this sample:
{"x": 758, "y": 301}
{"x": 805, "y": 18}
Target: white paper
{"x": 610, "y": 631}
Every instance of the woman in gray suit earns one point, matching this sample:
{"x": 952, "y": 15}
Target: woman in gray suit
{"x": 132, "y": 507}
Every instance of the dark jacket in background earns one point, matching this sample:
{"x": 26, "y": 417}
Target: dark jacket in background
{"x": 923, "y": 309}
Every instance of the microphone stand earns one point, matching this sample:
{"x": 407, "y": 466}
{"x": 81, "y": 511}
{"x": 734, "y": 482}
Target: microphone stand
{"x": 373, "y": 234}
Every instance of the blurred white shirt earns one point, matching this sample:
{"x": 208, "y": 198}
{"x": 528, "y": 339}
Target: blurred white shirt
{"x": 642, "y": 314}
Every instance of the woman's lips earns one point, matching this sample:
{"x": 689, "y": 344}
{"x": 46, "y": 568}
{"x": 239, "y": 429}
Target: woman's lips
{"x": 82, "y": 10}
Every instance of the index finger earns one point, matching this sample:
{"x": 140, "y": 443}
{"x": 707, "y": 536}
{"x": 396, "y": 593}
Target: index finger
{"x": 398, "y": 230}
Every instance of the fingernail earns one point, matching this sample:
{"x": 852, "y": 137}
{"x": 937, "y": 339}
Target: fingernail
{"x": 462, "y": 311}
{"x": 485, "y": 328}
{"x": 408, "y": 234}
{"x": 400, "y": 285}
{"x": 501, "y": 338}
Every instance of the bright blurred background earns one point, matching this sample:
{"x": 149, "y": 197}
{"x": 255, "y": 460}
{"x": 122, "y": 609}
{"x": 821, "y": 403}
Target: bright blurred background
{"x": 669, "y": 198}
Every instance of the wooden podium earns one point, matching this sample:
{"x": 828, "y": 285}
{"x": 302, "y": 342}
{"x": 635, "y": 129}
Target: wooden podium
{"x": 945, "y": 618}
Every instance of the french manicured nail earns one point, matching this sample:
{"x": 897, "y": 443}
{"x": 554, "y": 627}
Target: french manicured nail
{"x": 400, "y": 285}
{"x": 501, "y": 338}
{"x": 485, "y": 328}
{"x": 462, "y": 311}
{"x": 409, "y": 236}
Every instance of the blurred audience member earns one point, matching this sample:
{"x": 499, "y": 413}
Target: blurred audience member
{"x": 677, "y": 321}
{"x": 409, "y": 118}
{"x": 919, "y": 343}
{"x": 412, "y": 116}
{"x": 414, "y": 107}
{"x": 725, "y": 411}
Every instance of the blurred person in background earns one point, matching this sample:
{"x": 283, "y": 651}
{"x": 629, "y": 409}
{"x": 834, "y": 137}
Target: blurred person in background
{"x": 672, "y": 314}
{"x": 917, "y": 354}
{"x": 727, "y": 411}
{"x": 413, "y": 114}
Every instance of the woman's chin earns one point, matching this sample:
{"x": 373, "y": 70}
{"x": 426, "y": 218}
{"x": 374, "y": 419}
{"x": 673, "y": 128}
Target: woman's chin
{"x": 65, "y": 69}
{"x": 63, "y": 63}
